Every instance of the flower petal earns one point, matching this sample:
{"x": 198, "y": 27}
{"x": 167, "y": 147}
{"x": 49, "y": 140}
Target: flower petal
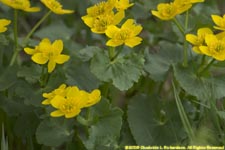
{"x": 111, "y": 31}
{"x": 57, "y": 113}
{"x": 133, "y": 41}
{"x": 39, "y": 58}
{"x": 61, "y": 59}
{"x": 57, "y": 46}
{"x": 51, "y": 65}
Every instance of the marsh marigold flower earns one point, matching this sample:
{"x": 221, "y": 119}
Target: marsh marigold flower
{"x": 101, "y": 15}
{"x": 167, "y": 11}
{"x": 56, "y": 7}
{"x": 61, "y": 91}
{"x": 20, "y": 4}
{"x": 122, "y": 5}
{"x": 127, "y": 34}
{"x": 70, "y": 100}
{"x": 186, "y": 2}
{"x": 49, "y": 53}
{"x": 219, "y": 21}
{"x": 3, "y": 24}
{"x": 199, "y": 39}
{"x": 214, "y": 47}
{"x": 100, "y": 23}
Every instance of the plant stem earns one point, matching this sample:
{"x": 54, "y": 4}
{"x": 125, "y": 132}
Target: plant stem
{"x": 117, "y": 54}
{"x": 35, "y": 27}
{"x": 202, "y": 71}
{"x": 185, "y": 52}
{"x": 111, "y": 52}
{"x": 183, "y": 116}
{"x": 179, "y": 26}
{"x": 15, "y": 34}
{"x": 24, "y": 42}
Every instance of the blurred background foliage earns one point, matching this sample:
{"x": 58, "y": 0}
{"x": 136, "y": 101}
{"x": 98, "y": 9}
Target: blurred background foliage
{"x": 145, "y": 114}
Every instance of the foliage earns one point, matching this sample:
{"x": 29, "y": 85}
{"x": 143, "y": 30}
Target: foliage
{"x": 105, "y": 74}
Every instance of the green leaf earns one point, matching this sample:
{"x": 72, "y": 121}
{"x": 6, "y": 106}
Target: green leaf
{"x": 7, "y": 78}
{"x": 157, "y": 64}
{"x": 55, "y": 131}
{"x": 56, "y": 30}
{"x": 14, "y": 106}
{"x": 78, "y": 73}
{"x": 152, "y": 124}
{"x": 87, "y": 53}
{"x": 105, "y": 132}
{"x": 26, "y": 124}
{"x": 31, "y": 74}
{"x": 221, "y": 114}
{"x": 201, "y": 87}
{"x": 123, "y": 72}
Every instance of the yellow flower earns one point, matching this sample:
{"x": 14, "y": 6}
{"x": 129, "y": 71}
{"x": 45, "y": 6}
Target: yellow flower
{"x": 100, "y": 23}
{"x": 47, "y": 52}
{"x": 56, "y": 7}
{"x": 121, "y": 5}
{"x": 214, "y": 47}
{"x": 167, "y": 11}
{"x": 68, "y": 107}
{"x": 101, "y": 8}
{"x": 3, "y": 24}
{"x": 198, "y": 40}
{"x": 127, "y": 34}
{"x": 93, "y": 98}
{"x": 61, "y": 91}
{"x": 219, "y": 21}
{"x": 70, "y": 103}
{"x": 185, "y": 2}
{"x": 20, "y": 4}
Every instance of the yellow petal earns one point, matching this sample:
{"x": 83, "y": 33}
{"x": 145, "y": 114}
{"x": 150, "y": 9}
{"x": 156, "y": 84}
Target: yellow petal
{"x": 57, "y": 101}
{"x": 118, "y": 17}
{"x": 129, "y": 23}
{"x": 61, "y": 59}
{"x": 133, "y": 41}
{"x": 57, "y": 113}
{"x": 72, "y": 114}
{"x": 203, "y": 31}
{"x": 136, "y": 30}
{"x": 57, "y": 46}
{"x": 29, "y": 51}
{"x": 193, "y": 39}
{"x": 39, "y": 58}
{"x": 217, "y": 19}
{"x": 111, "y": 31}
{"x": 114, "y": 43}
{"x": 73, "y": 91}
{"x": 88, "y": 20}
{"x": 32, "y": 9}
{"x": 45, "y": 102}
{"x": 51, "y": 65}
{"x": 205, "y": 50}
{"x": 209, "y": 39}
{"x": 94, "y": 97}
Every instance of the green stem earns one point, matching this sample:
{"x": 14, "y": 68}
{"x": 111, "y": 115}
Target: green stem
{"x": 183, "y": 116}
{"x": 24, "y": 42}
{"x": 179, "y": 26}
{"x": 35, "y": 27}
{"x": 15, "y": 34}
{"x": 202, "y": 71}
{"x": 117, "y": 54}
{"x": 185, "y": 52}
{"x": 111, "y": 52}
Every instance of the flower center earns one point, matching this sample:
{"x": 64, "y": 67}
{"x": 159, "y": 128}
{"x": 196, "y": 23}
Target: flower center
{"x": 123, "y": 34}
{"x": 101, "y": 22}
{"x": 68, "y": 107}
